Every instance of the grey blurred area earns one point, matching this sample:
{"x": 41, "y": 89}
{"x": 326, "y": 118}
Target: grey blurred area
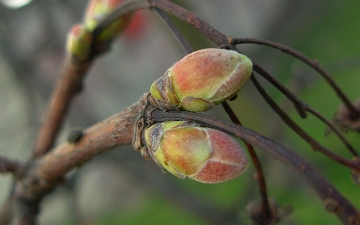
{"x": 32, "y": 40}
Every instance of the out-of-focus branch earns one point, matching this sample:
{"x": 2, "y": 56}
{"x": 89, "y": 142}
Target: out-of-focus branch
{"x": 47, "y": 172}
{"x": 68, "y": 86}
{"x": 352, "y": 164}
{"x": 355, "y": 114}
{"x": 11, "y": 166}
{"x": 175, "y": 31}
{"x": 302, "y": 107}
{"x": 192, "y": 19}
{"x": 74, "y": 72}
{"x": 265, "y": 210}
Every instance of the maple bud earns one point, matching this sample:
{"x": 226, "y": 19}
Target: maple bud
{"x": 78, "y": 42}
{"x": 97, "y": 10}
{"x": 201, "y": 80}
{"x": 189, "y": 151}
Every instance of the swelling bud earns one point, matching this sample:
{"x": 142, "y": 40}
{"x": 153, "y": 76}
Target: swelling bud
{"x": 201, "y": 80}
{"x": 189, "y": 151}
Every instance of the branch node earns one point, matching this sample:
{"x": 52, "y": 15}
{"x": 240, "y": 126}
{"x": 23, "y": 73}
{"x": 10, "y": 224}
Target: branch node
{"x": 11, "y": 166}
{"x": 255, "y": 211}
{"x": 147, "y": 105}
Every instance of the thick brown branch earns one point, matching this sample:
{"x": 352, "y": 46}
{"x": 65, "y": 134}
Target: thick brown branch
{"x": 110, "y": 133}
{"x": 46, "y": 172}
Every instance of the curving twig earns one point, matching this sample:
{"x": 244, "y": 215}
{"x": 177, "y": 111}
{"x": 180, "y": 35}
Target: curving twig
{"x": 302, "y": 107}
{"x": 355, "y": 114}
{"x": 192, "y": 19}
{"x": 313, "y": 143}
{"x": 174, "y": 30}
{"x": 265, "y": 209}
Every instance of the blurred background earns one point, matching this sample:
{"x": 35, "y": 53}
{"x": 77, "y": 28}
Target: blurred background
{"x": 120, "y": 187}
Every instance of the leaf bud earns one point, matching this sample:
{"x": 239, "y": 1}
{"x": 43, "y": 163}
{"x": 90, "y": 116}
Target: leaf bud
{"x": 201, "y": 80}
{"x": 97, "y": 10}
{"x": 189, "y": 151}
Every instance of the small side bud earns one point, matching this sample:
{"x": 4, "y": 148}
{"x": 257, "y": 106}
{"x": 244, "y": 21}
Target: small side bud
{"x": 201, "y": 80}
{"x": 75, "y": 136}
{"x": 189, "y": 151}
{"x": 255, "y": 211}
{"x": 346, "y": 119}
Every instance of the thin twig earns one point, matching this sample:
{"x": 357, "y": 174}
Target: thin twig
{"x": 334, "y": 129}
{"x": 259, "y": 173}
{"x": 174, "y": 30}
{"x": 192, "y": 19}
{"x": 302, "y": 107}
{"x": 355, "y": 114}
{"x": 313, "y": 143}
{"x": 299, "y": 105}
{"x": 68, "y": 86}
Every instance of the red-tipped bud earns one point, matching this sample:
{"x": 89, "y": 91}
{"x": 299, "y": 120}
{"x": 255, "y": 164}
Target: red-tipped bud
{"x": 189, "y": 151}
{"x": 97, "y": 10}
{"x": 78, "y": 42}
{"x": 201, "y": 80}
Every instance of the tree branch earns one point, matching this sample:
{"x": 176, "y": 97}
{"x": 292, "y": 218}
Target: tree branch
{"x": 313, "y": 143}
{"x": 174, "y": 30}
{"x": 265, "y": 209}
{"x": 11, "y": 166}
{"x": 48, "y": 171}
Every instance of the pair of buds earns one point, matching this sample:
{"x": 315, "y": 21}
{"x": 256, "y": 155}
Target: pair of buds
{"x": 197, "y": 83}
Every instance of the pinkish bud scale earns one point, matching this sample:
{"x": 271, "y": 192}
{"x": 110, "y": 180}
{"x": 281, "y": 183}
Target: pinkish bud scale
{"x": 201, "y": 80}
{"x": 189, "y": 151}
